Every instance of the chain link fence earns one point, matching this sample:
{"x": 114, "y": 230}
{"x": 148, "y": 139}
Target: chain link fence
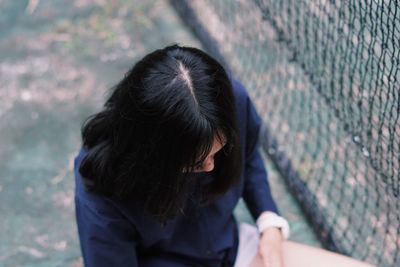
{"x": 325, "y": 78}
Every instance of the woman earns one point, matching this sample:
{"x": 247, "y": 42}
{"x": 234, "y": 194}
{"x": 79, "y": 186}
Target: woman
{"x": 164, "y": 164}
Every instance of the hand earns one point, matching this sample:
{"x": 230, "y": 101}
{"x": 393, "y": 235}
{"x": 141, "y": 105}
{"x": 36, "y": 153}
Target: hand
{"x": 270, "y": 247}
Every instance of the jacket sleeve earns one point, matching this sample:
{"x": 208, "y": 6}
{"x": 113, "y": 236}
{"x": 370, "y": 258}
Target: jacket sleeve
{"x": 256, "y": 194}
{"x": 106, "y": 238}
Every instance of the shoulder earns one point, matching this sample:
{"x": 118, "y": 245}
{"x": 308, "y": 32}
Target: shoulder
{"x": 245, "y": 108}
{"x": 244, "y": 102}
{"x": 242, "y": 99}
{"x": 239, "y": 90}
{"x": 249, "y": 120}
{"x": 84, "y": 197}
{"x": 108, "y": 208}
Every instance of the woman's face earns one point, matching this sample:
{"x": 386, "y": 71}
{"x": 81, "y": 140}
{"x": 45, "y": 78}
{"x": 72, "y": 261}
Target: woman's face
{"x": 208, "y": 164}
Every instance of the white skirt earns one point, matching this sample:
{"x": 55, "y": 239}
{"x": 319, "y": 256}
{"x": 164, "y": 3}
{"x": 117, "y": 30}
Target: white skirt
{"x": 248, "y": 245}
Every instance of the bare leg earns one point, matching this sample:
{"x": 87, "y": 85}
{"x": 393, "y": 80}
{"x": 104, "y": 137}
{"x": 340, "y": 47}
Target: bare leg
{"x": 299, "y": 255}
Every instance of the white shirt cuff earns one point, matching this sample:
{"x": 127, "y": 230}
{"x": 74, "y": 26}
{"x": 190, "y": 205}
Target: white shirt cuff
{"x": 269, "y": 219}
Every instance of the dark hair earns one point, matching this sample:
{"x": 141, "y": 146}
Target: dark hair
{"x": 160, "y": 119}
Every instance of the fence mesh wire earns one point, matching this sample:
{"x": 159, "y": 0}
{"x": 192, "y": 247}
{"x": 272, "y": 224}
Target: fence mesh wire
{"x": 325, "y": 78}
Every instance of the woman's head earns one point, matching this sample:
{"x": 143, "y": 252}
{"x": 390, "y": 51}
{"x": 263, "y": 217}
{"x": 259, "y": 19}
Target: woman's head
{"x": 172, "y": 115}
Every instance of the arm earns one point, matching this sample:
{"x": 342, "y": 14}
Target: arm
{"x": 106, "y": 238}
{"x": 256, "y": 194}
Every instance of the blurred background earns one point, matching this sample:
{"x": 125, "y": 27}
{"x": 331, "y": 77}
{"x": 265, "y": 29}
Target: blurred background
{"x": 313, "y": 69}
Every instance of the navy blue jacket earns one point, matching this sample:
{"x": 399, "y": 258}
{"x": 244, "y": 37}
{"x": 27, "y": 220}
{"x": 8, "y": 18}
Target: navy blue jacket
{"x": 118, "y": 234}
